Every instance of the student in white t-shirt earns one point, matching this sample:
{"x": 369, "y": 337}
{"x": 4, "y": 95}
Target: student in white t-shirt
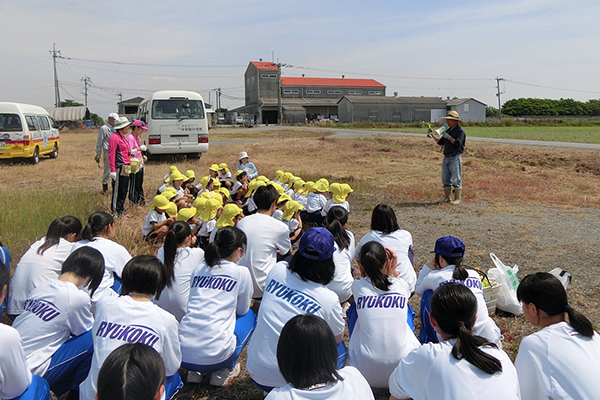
{"x": 307, "y": 359}
{"x": 337, "y": 219}
{"x": 43, "y": 261}
{"x": 133, "y": 318}
{"x": 156, "y": 223}
{"x": 380, "y": 335}
{"x": 291, "y": 290}
{"x": 267, "y": 238}
{"x": 218, "y": 322}
{"x": 16, "y": 380}
{"x": 181, "y": 258}
{"x": 462, "y": 366}
{"x": 99, "y": 233}
{"x": 132, "y": 371}
{"x": 338, "y": 198}
{"x": 385, "y": 230}
{"x": 561, "y": 361}
{"x": 56, "y": 320}
{"x": 316, "y": 201}
{"x": 446, "y": 266}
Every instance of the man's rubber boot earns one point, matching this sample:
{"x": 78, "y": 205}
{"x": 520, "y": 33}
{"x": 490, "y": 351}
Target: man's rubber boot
{"x": 447, "y": 194}
{"x": 457, "y": 193}
{"x": 105, "y": 188}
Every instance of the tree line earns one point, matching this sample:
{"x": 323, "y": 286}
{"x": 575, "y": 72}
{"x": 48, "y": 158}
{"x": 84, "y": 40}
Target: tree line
{"x": 547, "y": 107}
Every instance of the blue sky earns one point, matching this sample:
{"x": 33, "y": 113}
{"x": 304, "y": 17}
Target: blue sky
{"x": 543, "y": 48}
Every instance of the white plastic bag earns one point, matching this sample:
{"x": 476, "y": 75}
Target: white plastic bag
{"x": 507, "y": 278}
{"x": 563, "y": 276}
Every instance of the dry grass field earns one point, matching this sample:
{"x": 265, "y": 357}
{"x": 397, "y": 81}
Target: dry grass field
{"x": 538, "y": 208}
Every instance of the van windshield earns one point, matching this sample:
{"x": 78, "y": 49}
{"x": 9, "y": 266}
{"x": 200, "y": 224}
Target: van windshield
{"x": 177, "y": 109}
{"x": 10, "y": 123}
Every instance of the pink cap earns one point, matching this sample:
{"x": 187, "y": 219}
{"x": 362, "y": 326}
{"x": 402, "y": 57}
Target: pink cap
{"x": 139, "y": 123}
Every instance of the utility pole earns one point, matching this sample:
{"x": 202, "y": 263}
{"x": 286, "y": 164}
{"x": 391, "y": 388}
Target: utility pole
{"x": 218, "y": 101}
{"x": 120, "y": 97}
{"x": 55, "y": 53}
{"x": 498, "y": 79}
{"x": 86, "y": 81}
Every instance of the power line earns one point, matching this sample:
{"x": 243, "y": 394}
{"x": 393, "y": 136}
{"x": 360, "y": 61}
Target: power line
{"x": 551, "y": 87}
{"x": 150, "y": 64}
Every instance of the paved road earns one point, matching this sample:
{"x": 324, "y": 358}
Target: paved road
{"x": 358, "y": 133}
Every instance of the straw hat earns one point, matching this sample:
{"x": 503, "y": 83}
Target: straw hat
{"x": 453, "y": 115}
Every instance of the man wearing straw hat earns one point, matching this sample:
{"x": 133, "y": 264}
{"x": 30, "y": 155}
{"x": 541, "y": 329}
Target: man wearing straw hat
{"x": 453, "y": 140}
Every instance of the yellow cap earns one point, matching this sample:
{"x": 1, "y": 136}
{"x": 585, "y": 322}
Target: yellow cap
{"x": 308, "y": 187}
{"x": 230, "y": 211}
{"x": 172, "y": 210}
{"x": 320, "y": 186}
{"x": 190, "y": 174}
{"x": 210, "y": 209}
{"x": 168, "y": 194}
{"x": 214, "y": 167}
{"x": 160, "y": 202}
{"x": 204, "y": 181}
{"x": 199, "y": 204}
{"x": 298, "y": 185}
{"x": 217, "y": 196}
{"x": 290, "y": 208}
{"x": 177, "y": 176}
{"x": 338, "y": 192}
{"x": 283, "y": 197}
{"x": 279, "y": 174}
{"x": 262, "y": 178}
{"x": 287, "y": 175}
{"x": 347, "y": 189}
{"x": 279, "y": 188}
{"x": 224, "y": 191}
{"x": 186, "y": 213}
{"x": 216, "y": 183}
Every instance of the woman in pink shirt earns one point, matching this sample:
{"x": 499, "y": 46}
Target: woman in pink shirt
{"x": 118, "y": 158}
{"x": 136, "y": 180}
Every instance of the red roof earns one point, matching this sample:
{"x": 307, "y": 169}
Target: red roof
{"x": 264, "y": 65}
{"x": 338, "y": 82}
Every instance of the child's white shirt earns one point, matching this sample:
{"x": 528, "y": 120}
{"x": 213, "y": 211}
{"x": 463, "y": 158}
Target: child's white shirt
{"x": 399, "y": 241}
{"x": 381, "y": 336}
{"x": 121, "y": 320}
{"x": 153, "y": 217}
{"x": 343, "y": 278}
{"x": 15, "y": 376}
{"x": 207, "y": 228}
{"x": 315, "y": 202}
{"x": 286, "y": 295}
{"x": 559, "y": 363}
{"x": 431, "y": 372}
{"x": 35, "y": 269}
{"x": 352, "y": 386}
{"x": 432, "y": 279}
{"x": 175, "y": 299}
{"x": 218, "y": 295}
{"x": 52, "y": 313}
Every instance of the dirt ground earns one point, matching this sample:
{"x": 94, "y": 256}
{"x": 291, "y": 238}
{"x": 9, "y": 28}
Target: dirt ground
{"x": 537, "y": 208}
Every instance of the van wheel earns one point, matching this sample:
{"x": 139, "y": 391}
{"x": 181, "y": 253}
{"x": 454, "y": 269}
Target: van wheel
{"x": 194, "y": 155}
{"x": 36, "y": 156}
{"x": 54, "y": 153}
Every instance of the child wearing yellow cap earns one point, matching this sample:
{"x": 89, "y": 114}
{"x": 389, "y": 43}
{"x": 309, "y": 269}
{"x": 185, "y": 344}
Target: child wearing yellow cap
{"x": 337, "y": 198}
{"x": 212, "y": 210}
{"x": 291, "y": 217}
{"x": 156, "y": 224}
{"x": 188, "y": 215}
{"x": 280, "y": 207}
{"x": 279, "y": 176}
{"x": 299, "y": 194}
{"x": 240, "y": 187}
{"x": 230, "y": 216}
{"x": 206, "y": 184}
{"x": 316, "y": 201}
{"x": 213, "y": 171}
{"x": 225, "y": 176}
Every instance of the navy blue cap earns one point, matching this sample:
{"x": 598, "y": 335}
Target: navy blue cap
{"x": 449, "y": 246}
{"x": 319, "y": 239}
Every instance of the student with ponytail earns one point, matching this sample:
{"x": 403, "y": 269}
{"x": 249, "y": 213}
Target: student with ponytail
{"x": 218, "y": 322}
{"x": 337, "y": 219}
{"x": 561, "y": 361}
{"x": 462, "y": 366}
{"x": 380, "y": 335}
{"x": 56, "y": 321}
{"x": 99, "y": 233}
{"x": 43, "y": 261}
{"x": 447, "y": 266}
{"x": 181, "y": 259}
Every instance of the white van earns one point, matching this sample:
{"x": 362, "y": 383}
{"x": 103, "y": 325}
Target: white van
{"x": 27, "y": 131}
{"x": 176, "y": 121}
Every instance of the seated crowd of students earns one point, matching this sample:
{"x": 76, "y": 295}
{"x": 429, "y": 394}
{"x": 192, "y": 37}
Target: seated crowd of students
{"x": 267, "y": 264}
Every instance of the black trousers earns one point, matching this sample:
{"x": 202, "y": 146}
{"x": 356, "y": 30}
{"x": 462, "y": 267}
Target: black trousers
{"x": 120, "y": 187}
{"x": 136, "y": 190}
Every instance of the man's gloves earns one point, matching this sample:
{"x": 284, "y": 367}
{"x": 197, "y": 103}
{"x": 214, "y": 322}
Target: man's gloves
{"x": 97, "y": 159}
{"x": 113, "y": 175}
{"x": 446, "y": 135}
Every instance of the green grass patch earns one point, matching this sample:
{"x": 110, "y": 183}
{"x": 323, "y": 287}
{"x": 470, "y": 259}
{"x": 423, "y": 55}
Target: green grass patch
{"x": 575, "y": 134}
{"x": 30, "y": 212}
